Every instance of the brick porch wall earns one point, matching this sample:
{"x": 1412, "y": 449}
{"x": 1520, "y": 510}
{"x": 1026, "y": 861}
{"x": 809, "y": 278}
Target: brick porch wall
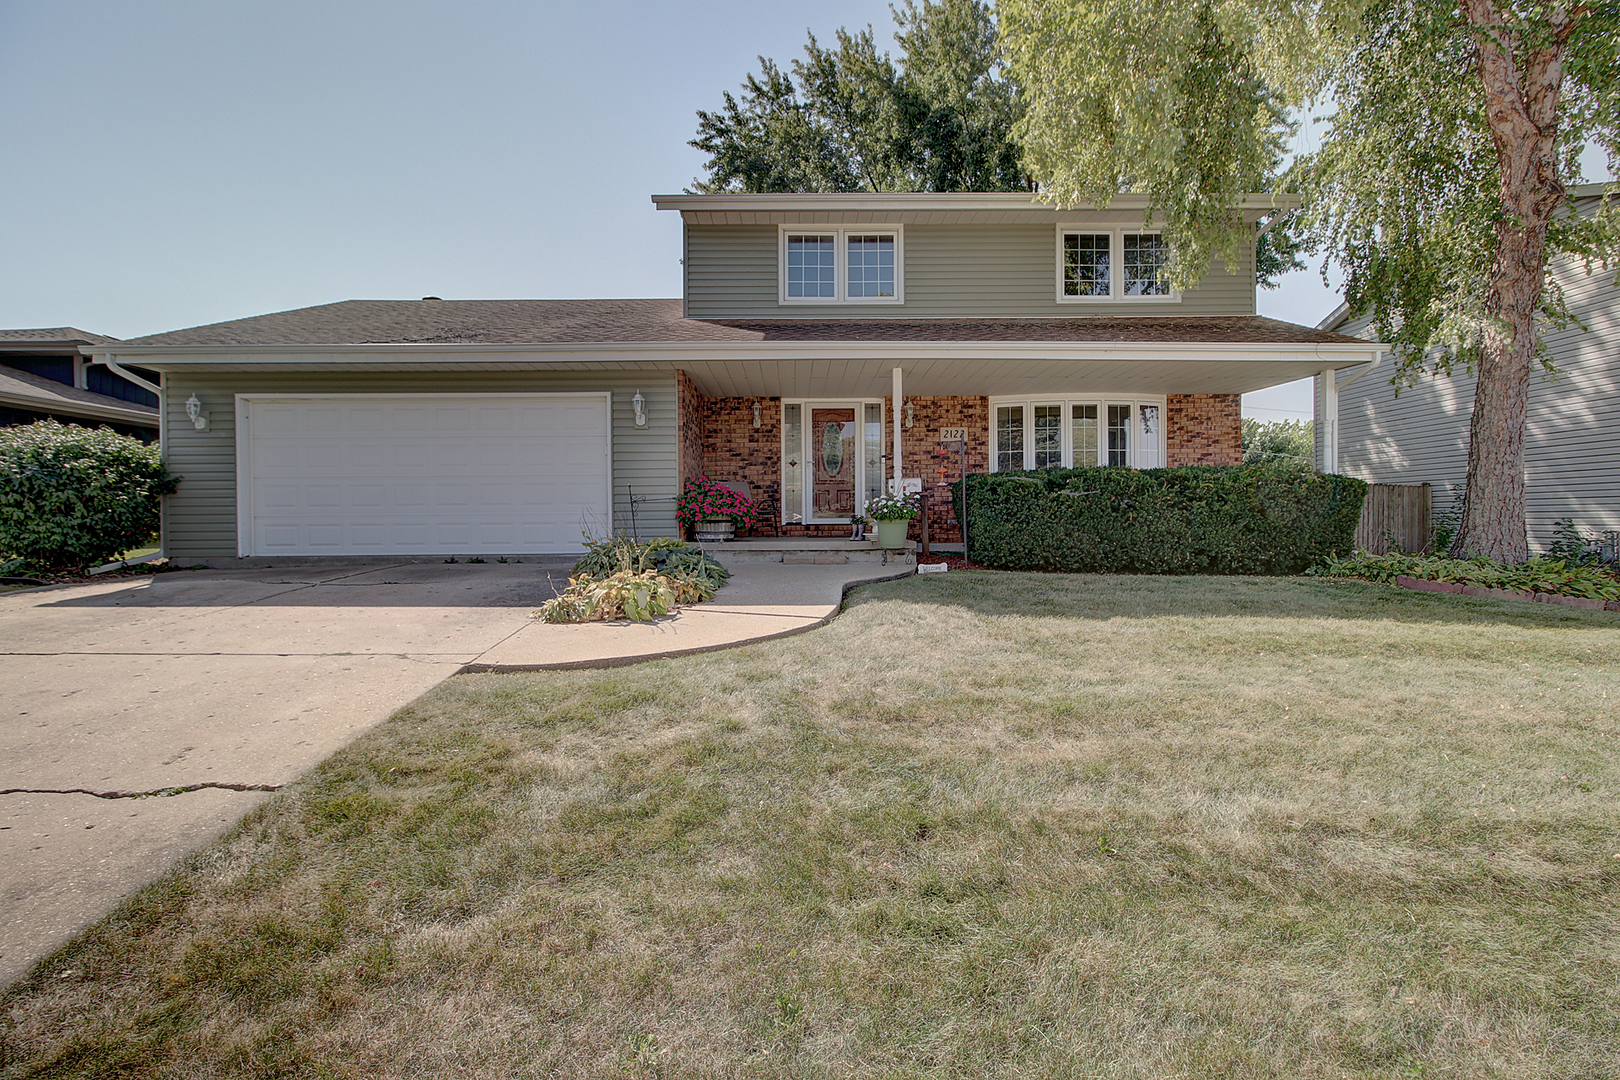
{"x": 1200, "y": 429}
{"x": 734, "y": 450}
{"x": 922, "y": 455}
{"x": 1204, "y": 429}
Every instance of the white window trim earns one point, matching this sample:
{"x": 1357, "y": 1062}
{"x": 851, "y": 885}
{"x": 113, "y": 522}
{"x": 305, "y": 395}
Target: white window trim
{"x": 1116, "y": 266}
{"x": 1068, "y": 401}
{"x": 840, "y": 234}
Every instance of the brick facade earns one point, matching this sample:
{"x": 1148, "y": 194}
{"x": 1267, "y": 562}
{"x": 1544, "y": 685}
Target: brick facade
{"x": 733, "y": 449}
{"x": 924, "y": 457}
{"x": 1204, "y": 429}
{"x": 718, "y": 438}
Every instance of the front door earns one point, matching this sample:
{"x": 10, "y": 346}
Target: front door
{"x": 834, "y": 455}
{"x": 832, "y": 459}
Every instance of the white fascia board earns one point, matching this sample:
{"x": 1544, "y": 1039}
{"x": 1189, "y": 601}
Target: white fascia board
{"x": 980, "y": 200}
{"x": 673, "y": 353}
{"x": 902, "y": 205}
{"x": 1335, "y": 318}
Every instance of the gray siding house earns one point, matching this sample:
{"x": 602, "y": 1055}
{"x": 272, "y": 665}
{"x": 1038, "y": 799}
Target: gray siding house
{"x": 1572, "y": 432}
{"x": 822, "y": 349}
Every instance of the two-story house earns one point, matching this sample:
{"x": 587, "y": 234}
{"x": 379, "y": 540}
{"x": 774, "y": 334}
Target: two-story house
{"x": 823, "y": 346}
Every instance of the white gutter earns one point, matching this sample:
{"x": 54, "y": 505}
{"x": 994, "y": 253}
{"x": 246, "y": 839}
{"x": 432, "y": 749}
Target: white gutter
{"x": 112, "y": 365}
{"x": 981, "y": 200}
{"x": 772, "y": 350}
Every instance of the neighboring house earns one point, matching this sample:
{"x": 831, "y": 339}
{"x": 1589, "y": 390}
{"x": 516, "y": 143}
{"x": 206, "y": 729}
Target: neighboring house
{"x": 43, "y": 376}
{"x": 1572, "y": 431}
{"x": 1045, "y": 337}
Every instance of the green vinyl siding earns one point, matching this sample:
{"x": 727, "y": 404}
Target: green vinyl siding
{"x": 950, "y": 271}
{"x": 199, "y": 519}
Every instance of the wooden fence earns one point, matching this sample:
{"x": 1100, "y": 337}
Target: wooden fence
{"x": 1396, "y": 516}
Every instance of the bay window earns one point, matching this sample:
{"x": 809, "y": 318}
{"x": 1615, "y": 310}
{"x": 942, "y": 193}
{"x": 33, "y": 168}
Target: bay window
{"x": 1077, "y": 432}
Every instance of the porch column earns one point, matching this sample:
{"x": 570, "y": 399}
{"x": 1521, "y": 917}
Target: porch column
{"x": 1329, "y": 420}
{"x": 898, "y": 412}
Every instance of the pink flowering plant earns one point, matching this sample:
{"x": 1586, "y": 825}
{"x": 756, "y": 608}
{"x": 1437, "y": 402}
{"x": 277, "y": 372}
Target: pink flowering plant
{"x": 705, "y": 500}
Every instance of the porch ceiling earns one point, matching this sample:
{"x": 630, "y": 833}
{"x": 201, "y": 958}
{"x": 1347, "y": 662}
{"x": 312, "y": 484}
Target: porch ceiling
{"x": 1001, "y": 377}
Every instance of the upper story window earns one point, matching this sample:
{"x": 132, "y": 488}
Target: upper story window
{"x": 834, "y": 266}
{"x": 1112, "y": 264}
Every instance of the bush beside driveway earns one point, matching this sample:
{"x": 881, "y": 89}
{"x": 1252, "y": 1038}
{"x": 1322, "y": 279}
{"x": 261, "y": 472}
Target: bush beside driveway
{"x": 983, "y": 824}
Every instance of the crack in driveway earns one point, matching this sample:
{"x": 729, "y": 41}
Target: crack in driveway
{"x": 158, "y": 793}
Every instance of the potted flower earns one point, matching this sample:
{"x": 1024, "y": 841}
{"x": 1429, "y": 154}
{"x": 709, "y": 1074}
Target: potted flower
{"x": 893, "y": 514}
{"x": 711, "y": 510}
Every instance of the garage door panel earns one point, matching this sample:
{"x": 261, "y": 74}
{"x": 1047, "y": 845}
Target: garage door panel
{"x": 372, "y": 475}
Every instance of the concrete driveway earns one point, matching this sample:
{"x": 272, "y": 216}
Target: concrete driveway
{"x": 214, "y": 681}
{"x": 141, "y": 718}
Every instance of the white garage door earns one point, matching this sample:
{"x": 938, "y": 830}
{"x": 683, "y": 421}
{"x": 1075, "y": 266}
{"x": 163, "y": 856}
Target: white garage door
{"x": 420, "y": 474}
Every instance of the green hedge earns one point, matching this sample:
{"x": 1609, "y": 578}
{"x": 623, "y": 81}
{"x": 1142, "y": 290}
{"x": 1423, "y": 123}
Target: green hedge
{"x": 72, "y": 496}
{"x": 1247, "y": 519}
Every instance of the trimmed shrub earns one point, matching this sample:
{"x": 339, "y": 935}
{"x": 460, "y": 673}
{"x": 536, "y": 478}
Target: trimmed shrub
{"x": 1247, "y": 519}
{"x": 72, "y": 497}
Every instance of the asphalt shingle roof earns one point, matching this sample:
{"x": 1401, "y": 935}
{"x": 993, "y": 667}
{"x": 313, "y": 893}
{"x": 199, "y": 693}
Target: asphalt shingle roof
{"x": 55, "y": 335}
{"x": 48, "y": 395}
{"x": 534, "y": 322}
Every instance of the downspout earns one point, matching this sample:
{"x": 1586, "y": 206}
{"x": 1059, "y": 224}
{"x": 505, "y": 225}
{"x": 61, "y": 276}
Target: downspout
{"x": 112, "y": 365}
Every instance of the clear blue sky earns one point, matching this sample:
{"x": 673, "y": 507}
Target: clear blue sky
{"x": 177, "y": 162}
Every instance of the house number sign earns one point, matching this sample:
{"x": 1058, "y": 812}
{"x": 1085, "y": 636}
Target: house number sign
{"x": 946, "y": 434}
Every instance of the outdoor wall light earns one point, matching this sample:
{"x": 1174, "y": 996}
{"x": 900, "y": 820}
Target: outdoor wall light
{"x": 639, "y": 404}
{"x": 911, "y": 414}
{"x": 758, "y": 415}
{"x": 196, "y": 413}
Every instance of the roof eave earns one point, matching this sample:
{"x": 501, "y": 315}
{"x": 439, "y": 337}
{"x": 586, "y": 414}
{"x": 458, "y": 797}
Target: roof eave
{"x": 899, "y": 206}
{"x": 137, "y": 416}
{"x": 1332, "y": 353}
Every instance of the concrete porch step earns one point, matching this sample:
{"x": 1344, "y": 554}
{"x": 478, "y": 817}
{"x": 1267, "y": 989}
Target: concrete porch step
{"x": 809, "y": 551}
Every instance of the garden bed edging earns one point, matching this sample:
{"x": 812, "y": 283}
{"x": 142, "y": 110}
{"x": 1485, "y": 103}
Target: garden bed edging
{"x": 1426, "y": 585}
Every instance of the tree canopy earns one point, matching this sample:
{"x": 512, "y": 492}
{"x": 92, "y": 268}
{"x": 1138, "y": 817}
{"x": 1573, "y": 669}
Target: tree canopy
{"x": 1440, "y": 189}
{"x": 1288, "y": 441}
{"x": 850, "y": 118}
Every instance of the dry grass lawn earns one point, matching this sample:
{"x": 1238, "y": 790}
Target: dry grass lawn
{"x": 984, "y": 825}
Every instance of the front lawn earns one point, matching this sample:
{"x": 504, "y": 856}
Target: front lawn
{"x": 982, "y": 825}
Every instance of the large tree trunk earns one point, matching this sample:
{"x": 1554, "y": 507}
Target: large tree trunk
{"x": 1521, "y": 79}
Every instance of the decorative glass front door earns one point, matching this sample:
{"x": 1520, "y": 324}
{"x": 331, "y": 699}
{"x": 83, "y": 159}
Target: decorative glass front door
{"x": 834, "y": 452}
{"x": 832, "y": 460}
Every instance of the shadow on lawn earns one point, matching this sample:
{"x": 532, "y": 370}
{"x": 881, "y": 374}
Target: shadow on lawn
{"x": 1111, "y": 596}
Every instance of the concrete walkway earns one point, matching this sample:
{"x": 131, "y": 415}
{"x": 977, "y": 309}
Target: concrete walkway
{"x": 143, "y": 717}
